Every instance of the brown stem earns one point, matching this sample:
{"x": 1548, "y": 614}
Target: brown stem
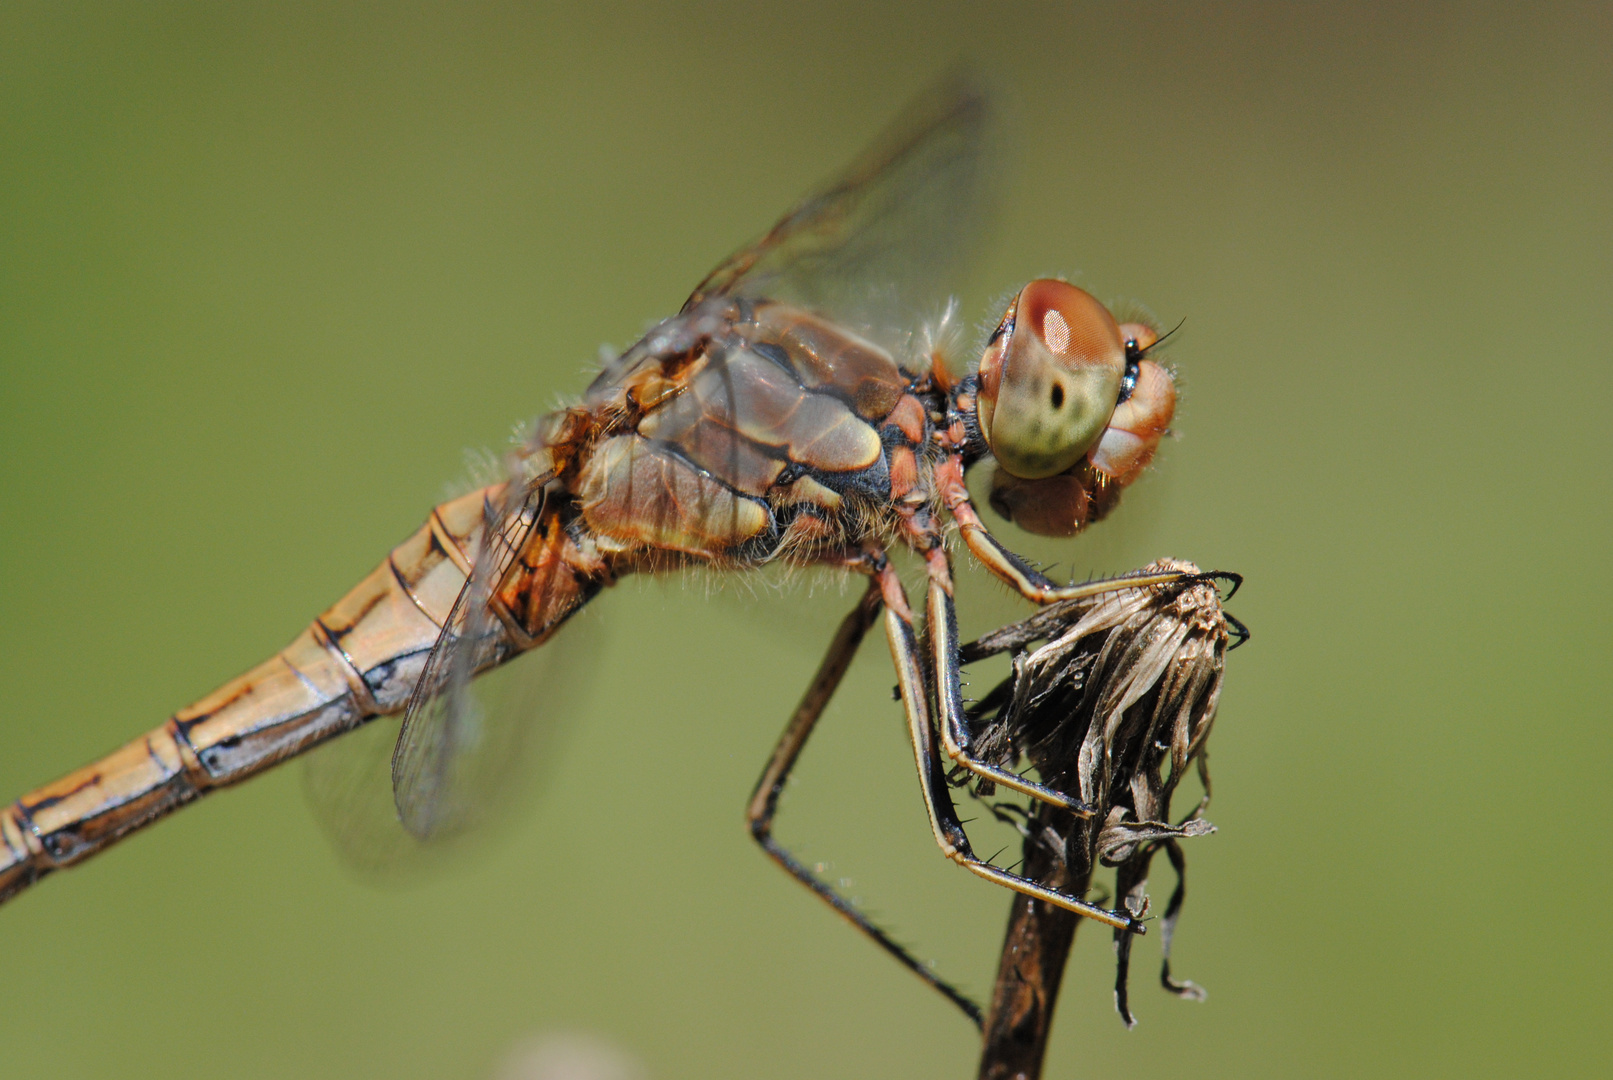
{"x": 1019, "y": 1017}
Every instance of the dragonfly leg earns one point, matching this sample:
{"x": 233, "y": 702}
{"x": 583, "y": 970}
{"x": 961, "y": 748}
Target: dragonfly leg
{"x": 948, "y": 830}
{"x": 996, "y": 557}
{"x": 764, "y": 800}
{"x": 941, "y": 620}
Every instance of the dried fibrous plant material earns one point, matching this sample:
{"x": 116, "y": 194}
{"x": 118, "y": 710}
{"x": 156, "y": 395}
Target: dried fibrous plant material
{"x": 1111, "y": 698}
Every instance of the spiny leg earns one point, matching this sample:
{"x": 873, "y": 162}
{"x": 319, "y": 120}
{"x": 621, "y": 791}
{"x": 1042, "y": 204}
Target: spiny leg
{"x": 941, "y": 619}
{"x": 948, "y": 830}
{"x": 764, "y": 800}
{"x": 995, "y": 556}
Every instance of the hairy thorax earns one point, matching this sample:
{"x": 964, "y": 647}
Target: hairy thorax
{"x": 742, "y": 433}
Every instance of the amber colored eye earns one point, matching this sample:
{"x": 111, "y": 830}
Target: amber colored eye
{"x": 1049, "y": 379}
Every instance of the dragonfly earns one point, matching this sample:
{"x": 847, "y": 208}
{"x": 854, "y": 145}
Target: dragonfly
{"x": 799, "y": 410}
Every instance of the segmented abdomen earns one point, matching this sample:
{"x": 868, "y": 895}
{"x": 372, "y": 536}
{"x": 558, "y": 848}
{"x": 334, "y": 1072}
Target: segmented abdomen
{"x": 358, "y": 660}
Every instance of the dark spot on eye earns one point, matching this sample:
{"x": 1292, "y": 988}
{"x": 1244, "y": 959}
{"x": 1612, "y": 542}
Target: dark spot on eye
{"x": 1058, "y": 396}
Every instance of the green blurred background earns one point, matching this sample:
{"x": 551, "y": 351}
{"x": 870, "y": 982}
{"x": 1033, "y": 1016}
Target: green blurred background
{"x": 264, "y": 272}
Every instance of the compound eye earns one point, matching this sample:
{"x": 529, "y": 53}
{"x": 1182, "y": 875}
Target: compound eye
{"x": 1049, "y": 379}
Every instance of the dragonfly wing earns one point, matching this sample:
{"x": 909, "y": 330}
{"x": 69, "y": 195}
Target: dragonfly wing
{"x": 527, "y": 705}
{"x": 880, "y": 249}
{"x": 348, "y": 785}
{"x": 447, "y": 733}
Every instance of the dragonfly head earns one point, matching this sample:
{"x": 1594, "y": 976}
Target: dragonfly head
{"x": 1070, "y": 406}
{"x": 1061, "y": 380}
{"x": 1050, "y": 378}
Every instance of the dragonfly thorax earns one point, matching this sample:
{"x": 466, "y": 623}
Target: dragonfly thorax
{"x": 743, "y": 431}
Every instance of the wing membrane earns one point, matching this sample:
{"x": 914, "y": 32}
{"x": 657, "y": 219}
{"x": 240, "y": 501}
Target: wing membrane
{"x": 881, "y": 248}
{"x": 527, "y": 705}
{"x": 445, "y": 731}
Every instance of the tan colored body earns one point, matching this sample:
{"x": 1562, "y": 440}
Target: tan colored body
{"x": 736, "y": 435}
{"x": 358, "y": 660}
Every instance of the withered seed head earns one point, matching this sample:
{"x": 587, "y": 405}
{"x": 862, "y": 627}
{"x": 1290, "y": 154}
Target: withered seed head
{"x": 1114, "y": 705}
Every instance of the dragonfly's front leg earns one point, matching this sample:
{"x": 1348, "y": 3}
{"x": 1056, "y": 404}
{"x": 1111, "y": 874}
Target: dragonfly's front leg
{"x": 764, "y": 800}
{"x": 995, "y": 556}
{"x": 948, "y": 830}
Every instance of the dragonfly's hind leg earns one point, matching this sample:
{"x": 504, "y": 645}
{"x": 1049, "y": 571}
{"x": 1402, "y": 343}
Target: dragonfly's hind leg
{"x": 764, "y": 801}
{"x": 942, "y": 628}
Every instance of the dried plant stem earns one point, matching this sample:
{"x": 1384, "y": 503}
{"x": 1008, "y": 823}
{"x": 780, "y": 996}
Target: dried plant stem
{"x": 1019, "y": 1016}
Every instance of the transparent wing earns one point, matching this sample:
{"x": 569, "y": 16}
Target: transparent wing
{"x": 446, "y": 738}
{"x": 348, "y": 785}
{"x": 527, "y": 705}
{"x": 882, "y": 247}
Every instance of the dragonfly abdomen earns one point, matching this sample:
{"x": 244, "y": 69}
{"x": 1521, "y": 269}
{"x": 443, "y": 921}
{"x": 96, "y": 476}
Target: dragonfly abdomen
{"x": 358, "y": 660}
